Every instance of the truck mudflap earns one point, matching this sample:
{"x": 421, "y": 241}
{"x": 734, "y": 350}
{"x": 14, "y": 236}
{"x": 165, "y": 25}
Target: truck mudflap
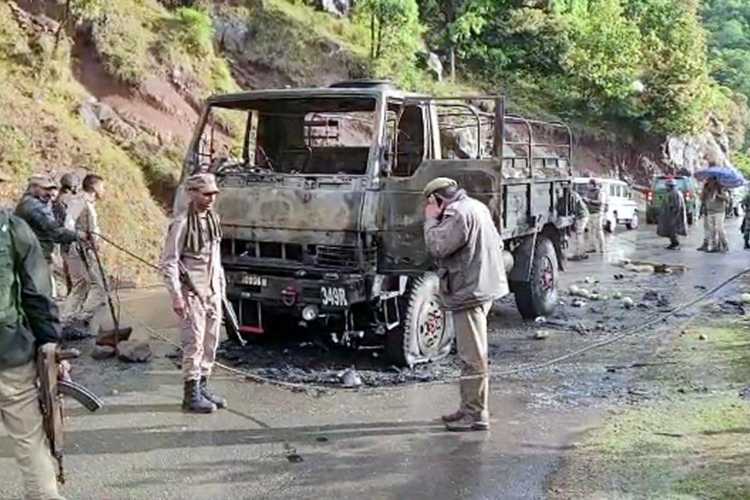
{"x": 308, "y": 299}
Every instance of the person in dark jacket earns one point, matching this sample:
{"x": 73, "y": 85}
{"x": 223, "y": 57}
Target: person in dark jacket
{"x": 672, "y": 218}
{"x": 461, "y": 236}
{"x": 35, "y": 208}
{"x": 28, "y": 319}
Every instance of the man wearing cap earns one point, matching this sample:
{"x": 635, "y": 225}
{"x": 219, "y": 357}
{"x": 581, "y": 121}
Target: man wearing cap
{"x": 35, "y": 209}
{"x": 192, "y": 249}
{"x": 581, "y": 213}
{"x": 28, "y": 319}
{"x": 461, "y": 236}
{"x": 596, "y": 201}
{"x": 87, "y": 296}
{"x": 672, "y": 218}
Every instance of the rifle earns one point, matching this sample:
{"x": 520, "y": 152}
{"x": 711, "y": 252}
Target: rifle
{"x": 53, "y": 385}
{"x": 231, "y": 322}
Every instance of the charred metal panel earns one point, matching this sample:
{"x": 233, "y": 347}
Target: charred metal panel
{"x": 272, "y": 207}
{"x": 401, "y": 208}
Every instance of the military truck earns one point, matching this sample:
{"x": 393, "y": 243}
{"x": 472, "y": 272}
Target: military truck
{"x": 322, "y": 209}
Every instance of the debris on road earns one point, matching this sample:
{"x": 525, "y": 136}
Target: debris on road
{"x": 745, "y": 298}
{"x": 134, "y": 351}
{"x": 101, "y": 352}
{"x": 628, "y": 303}
{"x": 578, "y": 303}
{"x": 702, "y": 336}
{"x": 350, "y": 378}
{"x": 541, "y": 335}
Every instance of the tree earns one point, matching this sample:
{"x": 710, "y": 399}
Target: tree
{"x": 394, "y": 25}
{"x": 605, "y": 53}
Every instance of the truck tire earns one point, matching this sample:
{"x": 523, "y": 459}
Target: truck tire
{"x": 538, "y": 297}
{"x": 426, "y": 332}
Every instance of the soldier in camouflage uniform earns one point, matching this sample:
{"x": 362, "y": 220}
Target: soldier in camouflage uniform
{"x": 191, "y": 264}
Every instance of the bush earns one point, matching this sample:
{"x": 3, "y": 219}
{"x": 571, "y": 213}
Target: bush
{"x": 194, "y": 30}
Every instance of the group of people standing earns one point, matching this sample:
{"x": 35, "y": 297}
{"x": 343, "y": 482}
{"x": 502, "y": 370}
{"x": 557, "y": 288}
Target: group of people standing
{"x": 715, "y": 202}
{"x": 65, "y": 221}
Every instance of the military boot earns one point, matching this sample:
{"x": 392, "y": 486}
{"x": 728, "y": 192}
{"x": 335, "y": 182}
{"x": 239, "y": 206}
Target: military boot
{"x": 219, "y": 401}
{"x": 193, "y": 400}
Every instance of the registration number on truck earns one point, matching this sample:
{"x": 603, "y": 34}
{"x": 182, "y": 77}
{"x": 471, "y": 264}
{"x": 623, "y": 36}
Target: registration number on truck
{"x": 254, "y": 280}
{"x": 332, "y": 296}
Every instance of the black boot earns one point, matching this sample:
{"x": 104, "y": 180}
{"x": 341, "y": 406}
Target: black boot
{"x": 214, "y": 398}
{"x": 193, "y": 400}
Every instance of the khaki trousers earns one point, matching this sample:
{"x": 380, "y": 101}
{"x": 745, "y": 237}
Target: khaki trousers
{"x": 581, "y": 225}
{"x": 717, "y": 235}
{"x": 87, "y": 293}
{"x": 200, "y": 336}
{"x": 596, "y": 232}
{"x": 19, "y": 409}
{"x": 471, "y": 337}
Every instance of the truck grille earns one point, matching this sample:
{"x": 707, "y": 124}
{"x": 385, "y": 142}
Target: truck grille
{"x": 322, "y": 256}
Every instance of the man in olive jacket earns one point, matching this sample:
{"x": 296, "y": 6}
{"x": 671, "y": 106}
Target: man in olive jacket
{"x": 461, "y": 236}
{"x": 28, "y": 318}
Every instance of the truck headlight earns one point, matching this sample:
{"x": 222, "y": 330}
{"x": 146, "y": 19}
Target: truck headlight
{"x": 309, "y": 313}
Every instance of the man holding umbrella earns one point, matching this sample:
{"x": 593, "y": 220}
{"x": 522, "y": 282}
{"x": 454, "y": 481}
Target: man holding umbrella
{"x": 672, "y": 217}
{"x": 715, "y": 199}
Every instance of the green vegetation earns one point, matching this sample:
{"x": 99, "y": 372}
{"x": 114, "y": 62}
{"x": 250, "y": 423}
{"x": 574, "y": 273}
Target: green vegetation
{"x": 638, "y": 62}
{"x": 690, "y": 443}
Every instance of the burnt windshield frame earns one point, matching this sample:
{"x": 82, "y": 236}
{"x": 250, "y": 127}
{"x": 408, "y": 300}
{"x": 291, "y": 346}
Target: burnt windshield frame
{"x": 298, "y": 105}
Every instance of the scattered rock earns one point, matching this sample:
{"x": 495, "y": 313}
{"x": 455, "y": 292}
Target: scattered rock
{"x": 115, "y": 392}
{"x": 339, "y": 8}
{"x": 617, "y": 295}
{"x": 294, "y": 458}
{"x": 745, "y": 298}
{"x": 133, "y": 351}
{"x": 541, "y": 335}
{"x": 578, "y": 303}
{"x": 628, "y": 303}
{"x": 76, "y": 330}
{"x": 702, "y": 336}
{"x": 102, "y": 352}
{"x": 350, "y": 378}
{"x": 745, "y": 393}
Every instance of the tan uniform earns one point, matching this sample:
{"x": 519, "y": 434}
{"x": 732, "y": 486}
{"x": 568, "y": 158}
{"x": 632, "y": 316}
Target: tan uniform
{"x": 87, "y": 295}
{"x": 595, "y": 223}
{"x": 469, "y": 250}
{"x": 19, "y": 410}
{"x": 716, "y": 211}
{"x": 202, "y": 324}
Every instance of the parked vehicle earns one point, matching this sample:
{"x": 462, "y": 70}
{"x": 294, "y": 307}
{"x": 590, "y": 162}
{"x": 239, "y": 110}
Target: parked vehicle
{"x": 322, "y": 210}
{"x": 686, "y": 184}
{"x": 621, "y": 208}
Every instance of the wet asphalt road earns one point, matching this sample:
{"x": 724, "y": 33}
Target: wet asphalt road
{"x": 382, "y": 444}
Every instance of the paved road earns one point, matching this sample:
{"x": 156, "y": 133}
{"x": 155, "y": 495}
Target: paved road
{"x": 381, "y": 445}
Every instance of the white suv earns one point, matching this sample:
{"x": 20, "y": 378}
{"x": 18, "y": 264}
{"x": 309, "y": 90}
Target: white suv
{"x": 621, "y": 209}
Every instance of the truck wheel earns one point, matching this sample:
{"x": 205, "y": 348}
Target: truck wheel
{"x": 426, "y": 331}
{"x": 538, "y": 297}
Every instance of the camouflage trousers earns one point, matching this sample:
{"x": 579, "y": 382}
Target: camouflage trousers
{"x": 19, "y": 410}
{"x": 200, "y": 335}
{"x": 471, "y": 339}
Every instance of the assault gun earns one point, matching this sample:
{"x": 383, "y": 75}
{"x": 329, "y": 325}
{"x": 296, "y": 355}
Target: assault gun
{"x": 54, "y": 383}
{"x": 231, "y": 322}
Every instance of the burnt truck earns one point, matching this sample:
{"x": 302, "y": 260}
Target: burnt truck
{"x": 322, "y": 209}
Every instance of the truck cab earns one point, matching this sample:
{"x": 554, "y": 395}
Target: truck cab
{"x": 322, "y": 211}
